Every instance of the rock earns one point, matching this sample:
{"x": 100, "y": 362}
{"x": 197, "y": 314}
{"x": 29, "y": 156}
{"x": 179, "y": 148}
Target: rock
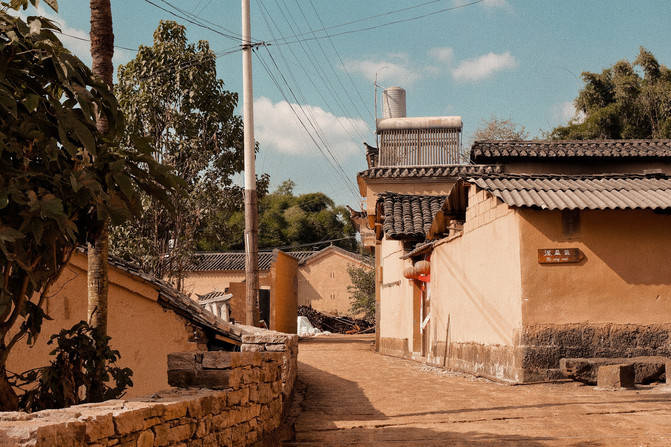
{"x": 615, "y": 376}
{"x": 646, "y": 369}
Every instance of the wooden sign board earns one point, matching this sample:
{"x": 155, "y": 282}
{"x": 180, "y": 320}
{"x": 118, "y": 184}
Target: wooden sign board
{"x": 559, "y": 255}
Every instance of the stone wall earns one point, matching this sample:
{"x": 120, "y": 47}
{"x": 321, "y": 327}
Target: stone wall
{"x": 261, "y": 340}
{"x": 222, "y": 399}
{"x": 545, "y": 345}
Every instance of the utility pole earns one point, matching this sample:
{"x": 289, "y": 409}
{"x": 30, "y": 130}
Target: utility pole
{"x": 251, "y": 209}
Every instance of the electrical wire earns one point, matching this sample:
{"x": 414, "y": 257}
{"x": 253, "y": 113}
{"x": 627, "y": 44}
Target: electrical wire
{"x": 194, "y": 22}
{"x": 372, "y": 27}
{"x": 267, "y": 16}
{"x": 275, "y": 80}
{"x": 339, "y": 167}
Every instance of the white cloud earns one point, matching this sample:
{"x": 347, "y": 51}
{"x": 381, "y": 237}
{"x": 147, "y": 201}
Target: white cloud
{"x": 566, "y": 112}
{"x": 72, "y": 38}
{"x": 395, "y": 68}
{"x": 277, "y": 128}
{"x": 483, "y": 67}
{"x": 442, "y": 54}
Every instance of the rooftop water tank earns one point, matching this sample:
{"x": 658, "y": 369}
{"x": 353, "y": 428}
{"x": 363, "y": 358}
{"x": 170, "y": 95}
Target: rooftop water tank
{"x": 393, "y": 102}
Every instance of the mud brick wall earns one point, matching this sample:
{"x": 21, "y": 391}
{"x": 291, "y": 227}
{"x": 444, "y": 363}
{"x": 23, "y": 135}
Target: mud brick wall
{"x": 270, "y": 341}
{"x": 230, "y": 399}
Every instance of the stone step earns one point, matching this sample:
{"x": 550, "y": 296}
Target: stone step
{"x": 646, "y": 369}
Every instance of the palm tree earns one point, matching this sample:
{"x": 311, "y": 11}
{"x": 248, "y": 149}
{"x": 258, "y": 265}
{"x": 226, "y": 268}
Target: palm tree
{"x": 102, "y": 50}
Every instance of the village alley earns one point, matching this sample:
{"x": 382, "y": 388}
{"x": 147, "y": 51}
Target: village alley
{"x": 349, "y": 395}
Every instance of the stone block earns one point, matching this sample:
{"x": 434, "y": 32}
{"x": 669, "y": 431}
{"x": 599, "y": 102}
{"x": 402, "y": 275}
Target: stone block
{"x": 646, "y": 369}
{"x": 251, "y": 348}
{"x": 180, "y": 433}
{"x": 99, "y": 427}
{"x": 174, "y": 410}
{"x": 162, "y": 434}
{"x": 129, "y": 421}
{"x": 217, "y": 359}
{"x": 181, "y": 378}
{"x": 264, "y": 338}
{"x": 616, "y": 376}
{"x": 667, "y": 370}
{"x": 183, "y": 360}
{"x": 276, "y": 347}
{"x": 146, "y": 439}
{"x": 219, "y": 379}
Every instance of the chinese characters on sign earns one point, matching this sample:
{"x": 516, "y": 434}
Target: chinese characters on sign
{"x": 559, "y": 255}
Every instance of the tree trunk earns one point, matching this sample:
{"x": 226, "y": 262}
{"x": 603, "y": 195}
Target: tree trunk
{"x": 102, "y": 51}
{"x": 8, "y": 399}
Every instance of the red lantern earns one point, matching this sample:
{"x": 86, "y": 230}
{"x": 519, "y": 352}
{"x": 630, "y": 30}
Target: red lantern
{"x": 409, "y": 272}
{"x": 422, "y": 267}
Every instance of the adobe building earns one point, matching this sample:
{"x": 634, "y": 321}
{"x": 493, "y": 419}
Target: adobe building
{"x": 147, "y": 320}
{"x": 322, "y": 279}
{"x": 537, "y": 251}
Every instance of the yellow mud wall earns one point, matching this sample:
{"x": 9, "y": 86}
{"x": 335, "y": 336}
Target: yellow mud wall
{"x": 204, "y": 282}
{"x": 475, "y": 278}
{"x": 323, "y": 283}
{"x": 396, "y": 299}
{"x": 283, "y": 293}
{"x": 625, "y": 277}
{"x": 142, "y": 331}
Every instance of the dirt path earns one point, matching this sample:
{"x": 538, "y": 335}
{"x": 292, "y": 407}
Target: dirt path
{"x": 353, "y": 396}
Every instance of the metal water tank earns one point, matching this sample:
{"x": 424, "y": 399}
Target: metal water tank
{"x": 393, "y": 102}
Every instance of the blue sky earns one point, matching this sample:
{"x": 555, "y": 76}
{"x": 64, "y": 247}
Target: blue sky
{"x": 513, "y": 59}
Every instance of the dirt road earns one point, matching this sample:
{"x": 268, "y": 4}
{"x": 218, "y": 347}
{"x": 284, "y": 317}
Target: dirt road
{"x": 352, "y": 396}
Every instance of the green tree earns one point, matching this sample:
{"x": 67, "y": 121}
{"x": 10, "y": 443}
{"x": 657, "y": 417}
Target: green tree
{"x": 627, "y": 100}
{"x": 287, "y": 220}
{"x": 362, "y": 291}
{"x": 171, "y": 95}
{"x": 61, "y": 178}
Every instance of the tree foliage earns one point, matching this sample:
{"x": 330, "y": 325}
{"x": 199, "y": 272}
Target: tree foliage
{"x": 285, "y": 220}
{"x": 627, "y": 100}
{"x": 500, "y": 129}
{"x": 83, "y": 360}
{"x": 362, "y": 291}
{"x": 61, "y": 179}
{"x": 171, "y": 95}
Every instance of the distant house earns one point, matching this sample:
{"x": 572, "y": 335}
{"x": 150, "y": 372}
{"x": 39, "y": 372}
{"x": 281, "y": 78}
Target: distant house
{"x": 322, "y": 277}
{"x": 537, "y": 251}
{"x": 323, "y": 280}
{"x": 147, "y": 320}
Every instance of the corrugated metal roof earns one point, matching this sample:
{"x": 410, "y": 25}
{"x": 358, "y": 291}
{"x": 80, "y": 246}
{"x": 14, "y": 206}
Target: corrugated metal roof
{"x": 580, "y": 192}
{"x": 496, "y": 151}
{"x": 408, "y": 216}
{"x": 428, "y": 171}
{"x": 230, "y": 261}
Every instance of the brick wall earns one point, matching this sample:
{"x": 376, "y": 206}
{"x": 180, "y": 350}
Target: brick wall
{"x": 223, "y": 399}
{"x": 483, "y": 208}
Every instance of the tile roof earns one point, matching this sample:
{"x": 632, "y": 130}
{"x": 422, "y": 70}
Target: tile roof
{"x": 428, "y": 171}
{"x": 490, "y": 151}
{"x": 171, "y": 298}
{"x": 595, "y": 192}
{"x": 334, "y": 248}
{"x": 211, "y": 295}
{"x": 408, "y": 217}
{"x": 235, "y": 261}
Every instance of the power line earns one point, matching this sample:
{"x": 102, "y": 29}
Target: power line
{"x": 334, "y": 164}
{"x": 202, "y": 19}
{"x": 310, "y": 78}
{"x": 321, "y": 48}
{"x": 194, "y": 22}
{"x": 342, "y": 63}
{"x": 369, "y": 28}
{"x": 337, "y": 163}
{"x": 83, "y": 39}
